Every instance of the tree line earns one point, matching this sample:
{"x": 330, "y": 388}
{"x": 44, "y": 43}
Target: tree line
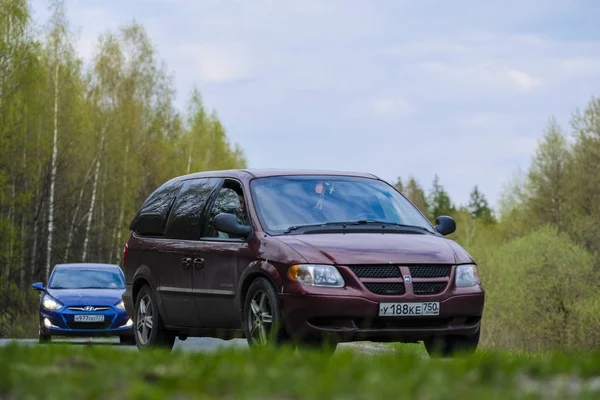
{"x": 83, "y": 144}
{"x": 438, "y": 201}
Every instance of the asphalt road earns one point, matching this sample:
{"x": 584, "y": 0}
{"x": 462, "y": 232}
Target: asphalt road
{"x": 193, "y": 344}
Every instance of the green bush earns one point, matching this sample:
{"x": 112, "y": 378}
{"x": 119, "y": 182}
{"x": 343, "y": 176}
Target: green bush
{"x": 18, "y": 318}
{"x": 538, "y": 287}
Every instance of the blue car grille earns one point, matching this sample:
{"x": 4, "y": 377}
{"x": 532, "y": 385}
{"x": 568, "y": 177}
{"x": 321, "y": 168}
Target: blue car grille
{"x": 82, "y": 308}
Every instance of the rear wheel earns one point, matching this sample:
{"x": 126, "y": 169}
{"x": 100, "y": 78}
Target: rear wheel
{"x": 450, "y": 346}
{"x": 149, "y": 329}
{"x": 262, "y": 321}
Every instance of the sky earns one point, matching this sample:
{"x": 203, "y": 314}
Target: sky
{"x": 398, "y": 88}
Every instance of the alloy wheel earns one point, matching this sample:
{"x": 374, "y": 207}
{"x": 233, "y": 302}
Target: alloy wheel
{"x": 260, "y": 319}
{"x": 144, "y": 320}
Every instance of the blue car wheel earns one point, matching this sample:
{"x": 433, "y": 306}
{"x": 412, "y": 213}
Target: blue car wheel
{"x": 44, "y": 338}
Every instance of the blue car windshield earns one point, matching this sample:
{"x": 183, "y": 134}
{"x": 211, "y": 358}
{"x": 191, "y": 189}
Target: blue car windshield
{"x": 287, "y": 201}
{"x": 86, "y": 279}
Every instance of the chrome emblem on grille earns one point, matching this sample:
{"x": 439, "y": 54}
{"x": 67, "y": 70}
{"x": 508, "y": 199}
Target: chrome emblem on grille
{"x": 407, "y": 278}
{"x": 89, "y": 308}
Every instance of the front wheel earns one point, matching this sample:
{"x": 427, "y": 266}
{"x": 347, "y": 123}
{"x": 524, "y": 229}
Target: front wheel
{"x": 43, "y": 339}
{"x": 149, "y": 329}
{"x": 262, "y": 321}
{"x": 450, "y": 346}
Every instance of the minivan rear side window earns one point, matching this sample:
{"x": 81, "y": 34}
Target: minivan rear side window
{"x": 152, "y": 216}
{"x": 185, "y": 217}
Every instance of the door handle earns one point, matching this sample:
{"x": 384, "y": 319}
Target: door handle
{"x": 199, "y": 262}
{"x": 185, "y": 262}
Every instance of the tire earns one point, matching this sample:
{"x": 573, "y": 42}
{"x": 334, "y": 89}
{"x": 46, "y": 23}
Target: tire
{"x": 127, "y": 340}
{"x": 43, "y": 339}
{"x": 260, "y": 334}
{"x": 451, "y": 346}
{"x": 153, "y": 335}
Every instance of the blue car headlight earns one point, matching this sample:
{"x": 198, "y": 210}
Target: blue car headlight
{"x": 51, "y": 304}
{"x": 120, "y": 305}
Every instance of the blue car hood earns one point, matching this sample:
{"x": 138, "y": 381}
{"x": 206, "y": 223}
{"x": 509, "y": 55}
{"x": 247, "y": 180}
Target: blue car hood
{"x": 87, "y": 297}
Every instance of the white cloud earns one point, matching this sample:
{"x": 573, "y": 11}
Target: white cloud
{"x": 394, "y": 108}
{"x": 523, "y": 80}
{"x": 480, "y": 120}
{"x": 218, "y": 62}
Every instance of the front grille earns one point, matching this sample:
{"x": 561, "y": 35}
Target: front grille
{"x": 376, "y": 271}
{"x": 429, "y": 271}
{"x": 82, "y": 308}
{"x": 428, "y": 287}
{"x": 391, "y": 288}
{"x": 89, "y": 325}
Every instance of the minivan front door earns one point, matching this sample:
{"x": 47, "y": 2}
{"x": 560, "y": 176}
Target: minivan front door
{"x": 215, "y": 284}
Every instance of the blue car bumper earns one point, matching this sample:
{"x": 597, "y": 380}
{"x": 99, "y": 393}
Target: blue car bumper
{"x": 64, "y": 322}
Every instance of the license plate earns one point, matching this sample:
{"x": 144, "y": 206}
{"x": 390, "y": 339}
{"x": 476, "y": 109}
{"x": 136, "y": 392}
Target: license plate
{"x": 88, "y": 318}
{"x": 409, "y": 309}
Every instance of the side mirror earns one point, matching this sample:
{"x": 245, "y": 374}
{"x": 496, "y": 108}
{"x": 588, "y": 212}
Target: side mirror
{"x": 226, "y": 222}
{"x": 445, "y": 225}
{"x": 39, "y": 286}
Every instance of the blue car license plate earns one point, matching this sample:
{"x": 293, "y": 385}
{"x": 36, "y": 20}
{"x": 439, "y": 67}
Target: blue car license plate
{"x": 88, "y": 318}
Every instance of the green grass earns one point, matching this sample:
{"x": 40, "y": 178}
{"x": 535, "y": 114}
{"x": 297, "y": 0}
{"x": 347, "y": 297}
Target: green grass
{"x": 66, "y": 371}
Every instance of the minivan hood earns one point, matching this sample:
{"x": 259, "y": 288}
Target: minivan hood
{"x": 87, "y": 297}
{"x": 372, "y": 248}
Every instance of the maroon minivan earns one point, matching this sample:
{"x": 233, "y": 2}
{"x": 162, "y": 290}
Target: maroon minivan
{"x": 298, "y": 257}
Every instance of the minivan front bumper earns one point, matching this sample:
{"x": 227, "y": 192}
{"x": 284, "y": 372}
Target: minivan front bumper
{"x": 351, "y": 318}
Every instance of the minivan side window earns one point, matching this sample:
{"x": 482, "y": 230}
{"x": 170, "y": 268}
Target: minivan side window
{"x": 228, "y": 201}
{"x": 152, "y": 216}
{"x": 185, "y": 218}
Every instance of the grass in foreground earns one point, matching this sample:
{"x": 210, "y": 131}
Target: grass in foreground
{"x": 65, "y": 371}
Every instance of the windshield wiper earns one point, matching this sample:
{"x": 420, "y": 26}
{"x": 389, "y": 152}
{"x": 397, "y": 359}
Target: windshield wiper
{"x": 359, "y": 222}
{"x": 296, "y": 227}
{"x": 374, "y": 221}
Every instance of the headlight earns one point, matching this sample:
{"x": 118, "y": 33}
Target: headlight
{"x": 50, "y": 304}
{"x": 466, "y": 275}
{"x": 121, "y": 305}
{"x": 316, "y": 275}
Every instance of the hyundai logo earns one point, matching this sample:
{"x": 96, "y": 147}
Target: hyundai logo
{"x": 89, "y": 308}
{"x": 407, "y": 278}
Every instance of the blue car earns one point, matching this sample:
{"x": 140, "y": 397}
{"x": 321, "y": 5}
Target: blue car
{"x": 84, "y": 300}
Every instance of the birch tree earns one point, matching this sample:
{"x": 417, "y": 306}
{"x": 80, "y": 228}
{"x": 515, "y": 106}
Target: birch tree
{"x": 56, "y": 42}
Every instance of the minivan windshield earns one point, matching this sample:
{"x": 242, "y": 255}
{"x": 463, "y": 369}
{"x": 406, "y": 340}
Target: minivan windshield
{"x": 285, "y": 202}
{"x": 70, "y": 278}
